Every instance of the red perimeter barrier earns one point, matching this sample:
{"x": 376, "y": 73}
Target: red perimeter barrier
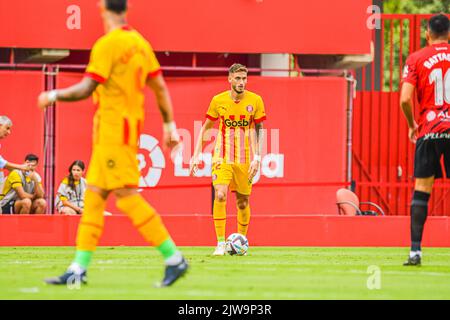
{"x": 198, "y": 230}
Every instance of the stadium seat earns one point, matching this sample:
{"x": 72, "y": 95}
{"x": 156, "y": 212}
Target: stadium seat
{"x": 349, "y": 205}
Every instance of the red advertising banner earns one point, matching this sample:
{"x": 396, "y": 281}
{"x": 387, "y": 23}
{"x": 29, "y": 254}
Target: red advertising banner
{"x": 234, "y": 26}
{"x": 306, "y": 134}
{"x": 19, "y": 91}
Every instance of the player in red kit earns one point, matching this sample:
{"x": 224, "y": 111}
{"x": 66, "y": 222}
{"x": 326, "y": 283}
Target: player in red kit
{"x": 427, "y": 71}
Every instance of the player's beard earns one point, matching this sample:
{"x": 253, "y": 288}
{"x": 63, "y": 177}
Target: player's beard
{"x": 237, "y": 90}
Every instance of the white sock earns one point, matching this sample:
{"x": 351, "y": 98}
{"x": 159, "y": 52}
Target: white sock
{"x": 414, "y": 253}
{"x": 221, "y": 243}
{"x": 175, "y": 259}
{"x": 76, "y": 268}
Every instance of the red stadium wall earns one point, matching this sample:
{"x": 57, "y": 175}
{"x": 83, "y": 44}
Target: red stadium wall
{"x": 383, "y": 156}
{"x": 171, "y": 25}
{"x": 310, "y": 125}
{"x": 198, "y": 230}
{"x": 19, "y": 92}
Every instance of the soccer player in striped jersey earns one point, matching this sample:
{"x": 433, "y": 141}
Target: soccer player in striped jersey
{"x": 427, "y": 71}
{"x": 122, "y": 63}
{"x": 240, "y": 114}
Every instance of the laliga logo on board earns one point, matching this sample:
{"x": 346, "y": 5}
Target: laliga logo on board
{"x": 152, "y": 162}
{"x": 272, "y": 166}
{"x": 153, "y": 153}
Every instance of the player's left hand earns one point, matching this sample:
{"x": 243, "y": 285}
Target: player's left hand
{"x": 253, "y": 170}
{"x": 43, "y": 100}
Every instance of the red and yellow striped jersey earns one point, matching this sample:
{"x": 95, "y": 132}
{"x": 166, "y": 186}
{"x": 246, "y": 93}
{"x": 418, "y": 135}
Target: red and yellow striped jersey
{"x": 237, "y": 119}
{"x": 120, "y": 61}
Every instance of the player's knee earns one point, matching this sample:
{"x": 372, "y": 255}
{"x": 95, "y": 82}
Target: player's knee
{"x": 128, "y": 204}
{"x": 41, "y": 203}
{"x": 26, "y": 204}
{"x": 242, "y": 203}
{"x": 94, "y": 202}
{"x": 68, "y": 211}
{"x": 221, "y": 196}
{"x": 424, "y": 185}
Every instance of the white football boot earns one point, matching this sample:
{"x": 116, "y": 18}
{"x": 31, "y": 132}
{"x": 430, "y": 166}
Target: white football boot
{"x": 220, "y": 249}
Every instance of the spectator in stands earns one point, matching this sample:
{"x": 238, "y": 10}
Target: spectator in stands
{"x": 70, "y": 196}
{"x": 23, "y": 192}
{"x": 5, "y": 130}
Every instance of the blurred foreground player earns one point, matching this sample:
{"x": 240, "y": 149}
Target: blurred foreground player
{"x": 240, "y": 113}
{"x": 427, "y": 71}
{"x": 122, "y": 63}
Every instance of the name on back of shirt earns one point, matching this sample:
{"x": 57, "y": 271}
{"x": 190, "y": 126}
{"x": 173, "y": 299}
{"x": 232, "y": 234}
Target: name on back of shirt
{"x": 438, "y": 57}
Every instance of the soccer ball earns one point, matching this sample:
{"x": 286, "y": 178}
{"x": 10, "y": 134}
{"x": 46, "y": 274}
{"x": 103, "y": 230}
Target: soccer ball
{"x": 237, "y": 244}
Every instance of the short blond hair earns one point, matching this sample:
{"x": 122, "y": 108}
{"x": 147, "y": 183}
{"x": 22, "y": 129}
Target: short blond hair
{"x": 4, "y": 120}
{"x": 237, "y": 67}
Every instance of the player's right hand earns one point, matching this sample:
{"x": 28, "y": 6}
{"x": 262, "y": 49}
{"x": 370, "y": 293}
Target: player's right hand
{"x": 412, "y": 134}
{"x": 24, "y": 167}
{"x": 171, "y": 139}
{"x": 43, "y": 100}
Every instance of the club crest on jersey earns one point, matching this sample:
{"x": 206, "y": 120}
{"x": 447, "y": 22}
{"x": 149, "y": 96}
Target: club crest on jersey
{"x": 431, "y": 116}
{"x": 111, "y": 163}
{"x": 405, "y": 72}
{"x": 250, "y": 108}
{"x": 222, "y": 108}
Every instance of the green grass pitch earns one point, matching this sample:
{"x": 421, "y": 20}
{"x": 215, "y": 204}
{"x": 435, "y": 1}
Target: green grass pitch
{"x": 266, "y": 273}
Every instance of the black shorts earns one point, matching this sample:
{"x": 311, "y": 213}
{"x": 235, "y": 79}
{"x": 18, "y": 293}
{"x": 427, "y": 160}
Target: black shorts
{"x": 8, "y": 208}
{"x": 427, "y": 159}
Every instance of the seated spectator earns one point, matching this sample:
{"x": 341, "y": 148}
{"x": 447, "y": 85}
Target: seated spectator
{"x": 23, "y": 192}
{"x": 70, "y": 197}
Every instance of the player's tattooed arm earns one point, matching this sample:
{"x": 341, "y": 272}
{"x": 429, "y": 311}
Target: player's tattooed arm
{"x": 79, "y": 91}
{"x": 256, "y": 163}
{"x": 259, "y": 137}
{"x": 159, "y": 87}
{"x": 171, "y": 137}
{"x": 406, "y": 101}
{"x": 406, "y": 104}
